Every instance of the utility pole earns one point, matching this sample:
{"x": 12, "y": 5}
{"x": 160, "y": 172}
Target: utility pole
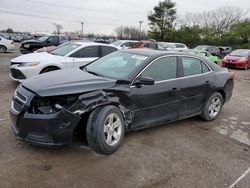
{"x": 82, "y": 28}
{"x": 140, "y": 22}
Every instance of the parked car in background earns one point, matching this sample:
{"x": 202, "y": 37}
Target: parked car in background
{"x": 29, "y": 46}
{"x": 124, "y": 44}
{"x": 72, "y": 54}
{"x": 225, "y": 50}
{"x": 237, "y": 59}
{"x": 206, "y": 54}
{"x": 6, "y": 45}
{"x": 46, "y": 49}
{"x": 103, "y": 40}
{"x": 174, "y": 46}
{"x": 123, "y": 91}
{"x": 148, "y": 44}
{"x": 211, "y": 49}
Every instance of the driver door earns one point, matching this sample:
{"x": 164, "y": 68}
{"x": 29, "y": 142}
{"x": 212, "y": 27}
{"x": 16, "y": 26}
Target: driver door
{"x": 158, "y": 103}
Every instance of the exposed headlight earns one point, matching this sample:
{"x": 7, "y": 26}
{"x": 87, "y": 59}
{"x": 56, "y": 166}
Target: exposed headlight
{"x": 51, "y": 104}
{"x": 31, "y": 64}
{"x": 242, "y": 59}
{"x": 26, "y": 46}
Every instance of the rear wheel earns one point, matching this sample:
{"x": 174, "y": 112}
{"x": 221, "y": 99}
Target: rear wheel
{"x": 105, "y": 130}
{"x": 49, "y": 69}
{"x": 213, "y": 107}
{"x": 3, "y": 49}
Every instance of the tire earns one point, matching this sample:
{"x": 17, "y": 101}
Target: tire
{"x": 100, "y": 136}
{"x": 3, "y": 49}
{"x": 213, "y": 107}
{"x": 49, "y": 69}
{"x": 246, "y": 67}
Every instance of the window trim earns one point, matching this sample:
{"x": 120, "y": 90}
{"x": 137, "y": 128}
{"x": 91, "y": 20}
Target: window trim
{"x": 178, "y": 78}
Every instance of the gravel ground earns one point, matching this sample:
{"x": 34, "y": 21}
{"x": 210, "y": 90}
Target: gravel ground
{"x": 189, "y": 153}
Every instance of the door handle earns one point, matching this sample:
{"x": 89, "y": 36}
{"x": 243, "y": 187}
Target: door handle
{"x": 175, "y": 89}
{"x": 207, "y": 82}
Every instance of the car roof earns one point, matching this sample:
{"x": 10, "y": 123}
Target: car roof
{"x": 152, "y": 53}
{"x": 83, "y": 43}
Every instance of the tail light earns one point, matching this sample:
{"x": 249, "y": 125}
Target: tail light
{"x": 231, "y": 75}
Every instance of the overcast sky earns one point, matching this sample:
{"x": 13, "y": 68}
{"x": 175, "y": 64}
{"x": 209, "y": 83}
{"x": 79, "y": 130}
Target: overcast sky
{"x": 99, "y": 16}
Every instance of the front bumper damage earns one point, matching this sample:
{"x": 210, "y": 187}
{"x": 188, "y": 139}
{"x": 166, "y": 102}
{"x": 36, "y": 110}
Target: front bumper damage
{"x": 45, "y": 129}
{"x": 55, "y": 129}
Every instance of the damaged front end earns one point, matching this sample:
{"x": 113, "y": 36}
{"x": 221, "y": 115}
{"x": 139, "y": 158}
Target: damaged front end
{"x": 43, "y": 121}
{"x": 52, "y": 120}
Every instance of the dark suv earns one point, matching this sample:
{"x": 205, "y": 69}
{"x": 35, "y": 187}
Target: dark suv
{"x": 29, "y": 46}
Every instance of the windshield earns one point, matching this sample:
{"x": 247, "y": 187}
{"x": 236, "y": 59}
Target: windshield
{"x": 240, "y": 53}
{"x": 64, "y": 49}
{"x": 200, "y": 48}
{"x": 117, "y": 43}
{"x": 43, "y": 38}
{"x": 118, "y": 65}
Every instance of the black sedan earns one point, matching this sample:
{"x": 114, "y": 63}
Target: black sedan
{"x": 123, "y": 91}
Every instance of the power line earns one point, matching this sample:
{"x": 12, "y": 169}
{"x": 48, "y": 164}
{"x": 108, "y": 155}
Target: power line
{"x": 85, "y": 9}
{"x": 9, "y": 11}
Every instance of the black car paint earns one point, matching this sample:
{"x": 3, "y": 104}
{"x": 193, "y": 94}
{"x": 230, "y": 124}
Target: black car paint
{"x": 35, "y": 44}
{"x": 141, "y": 106}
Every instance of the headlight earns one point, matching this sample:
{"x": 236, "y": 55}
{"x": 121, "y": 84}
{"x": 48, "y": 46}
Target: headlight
{"x": 26, "y": 46}
{"x": 31, "y": 64}
{"x": 242, "y": 59}
{"x": 51, "y": 104}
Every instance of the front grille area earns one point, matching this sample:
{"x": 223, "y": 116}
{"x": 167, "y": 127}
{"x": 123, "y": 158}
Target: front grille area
{"x": 18, "y": 102}
{"x": 17, "y": 74}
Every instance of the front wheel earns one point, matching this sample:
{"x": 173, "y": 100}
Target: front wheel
{"x": 213, "y": 107}
{"x": 105, "y": 129}
{"x": 246, "y": 66}
{"x": 3, "y": 49}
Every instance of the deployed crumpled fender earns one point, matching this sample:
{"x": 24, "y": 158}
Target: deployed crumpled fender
{"x": 89, "y": 101}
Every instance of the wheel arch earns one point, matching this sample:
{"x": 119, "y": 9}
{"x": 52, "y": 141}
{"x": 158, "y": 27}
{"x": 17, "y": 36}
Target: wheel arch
{"x": 49, "y": 66}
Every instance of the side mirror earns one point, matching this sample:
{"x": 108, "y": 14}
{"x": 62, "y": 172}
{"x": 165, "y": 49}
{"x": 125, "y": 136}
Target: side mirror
{"x": 144, "y": 81}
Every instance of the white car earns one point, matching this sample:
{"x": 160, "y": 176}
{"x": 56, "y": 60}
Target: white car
{"x": 124, "y": 44}
{"x": 70, "y": 55}
{"x": 174, "y": 46}
{"x": 6, "y": 45}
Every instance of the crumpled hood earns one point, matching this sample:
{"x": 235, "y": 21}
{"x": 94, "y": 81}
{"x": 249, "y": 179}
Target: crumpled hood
{"x": 64, "y": 82}
{"x": 37, "y": 57}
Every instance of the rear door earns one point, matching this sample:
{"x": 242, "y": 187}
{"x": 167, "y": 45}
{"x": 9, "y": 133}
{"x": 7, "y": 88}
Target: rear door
{"x": 158, "y": 103}
{"x": 195, "y": 86}
{"x": 85, "y": 55}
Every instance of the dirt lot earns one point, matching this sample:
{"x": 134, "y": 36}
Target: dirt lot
{"x": 188, "y": 153}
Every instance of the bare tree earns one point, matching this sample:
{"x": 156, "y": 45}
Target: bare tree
{"x": 130, "y": 33}
{"x": 220, "y": 20}
{"x": 58, "y": 28}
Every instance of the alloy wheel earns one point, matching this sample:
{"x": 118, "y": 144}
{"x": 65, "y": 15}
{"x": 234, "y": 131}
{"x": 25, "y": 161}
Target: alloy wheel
{"x": 112, "y": 129}
{"x": 214, "y": 107}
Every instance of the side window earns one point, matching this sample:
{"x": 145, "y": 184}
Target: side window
{"x": 91, "y": 51}
{"x": 162, "y": 69}
{"x": 153, "y": 45}
{"x": 131, "y": 44}
{"x": 53, "y": 40}
{"x": 146, "y": 45}
{"x": 105, "y": 50}
{"x": 191, "y": 66}
{"x": 125, "y": 44}
{"x": 204, "y": 68}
